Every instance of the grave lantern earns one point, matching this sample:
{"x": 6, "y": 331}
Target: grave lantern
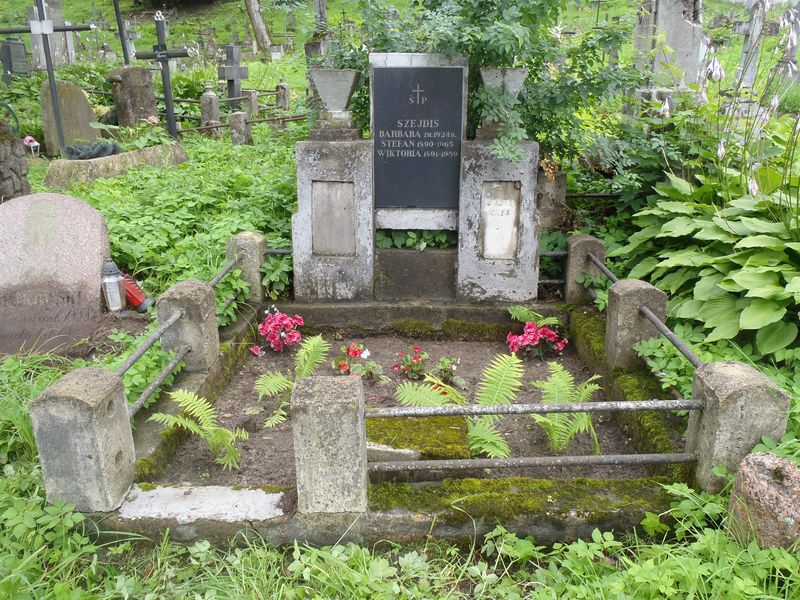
{"x": 113, "y": 286}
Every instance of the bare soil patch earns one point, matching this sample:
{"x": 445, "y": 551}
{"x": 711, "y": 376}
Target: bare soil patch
{"x": 267, "y": 457}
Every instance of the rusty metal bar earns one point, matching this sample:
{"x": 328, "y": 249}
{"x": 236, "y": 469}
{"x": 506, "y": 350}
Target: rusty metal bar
{"x": 266, "y": 93}
{"x": 540, "y": 408}
{"x": 97, "y": 92}
{"x": 668, "y": 333}
{"x": 225, "y": 270}
{"x": 277, "y": 251}
{"x": 554, "y": 254}
{"x": 181, "y": 100}
{"x": 552, "y": 281}
{"x": 157, "y": 382}
{"x": 532, "y": 461}
{"x": 603, "y": 268}
{"x": 228, "y": 302}
{"x": 123, "y": 368}
{"x": 205, "y": 128}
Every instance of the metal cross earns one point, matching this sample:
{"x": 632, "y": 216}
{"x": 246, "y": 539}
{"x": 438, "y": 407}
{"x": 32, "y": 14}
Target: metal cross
{"x": 45, "y": 28}
{"x": 122, "y": 35}
{"x": 162, "y": 55}
{"x": 233, "y": 73}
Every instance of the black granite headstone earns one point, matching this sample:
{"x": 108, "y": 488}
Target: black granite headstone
{"x": 417, "y": 126}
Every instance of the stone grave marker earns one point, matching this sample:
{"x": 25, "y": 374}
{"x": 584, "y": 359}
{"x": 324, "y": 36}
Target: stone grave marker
{"x": 13, "y": 165}
{"x": 14, "y": 58}
{"x": 418, "y": 116}
{"x": 53, "y": 247}
{"x": 76, "y": 116}
{"x": 747, "y": 70}
{"x": 134, "y": 97}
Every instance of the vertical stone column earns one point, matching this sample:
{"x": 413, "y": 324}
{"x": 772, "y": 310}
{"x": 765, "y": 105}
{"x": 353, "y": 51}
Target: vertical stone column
{"x": 741, "y": 406}
{"x": 578, "y": 249}
{"x": 134, "y": 97}
{"x": 332, "y": 231}
{"x": 197, "y": 328}
{"x": 283, "y": 99}
{"x": 251, "y": 102}
{"x": 498, "y": 228}
{"x": 83, "y": 435}
{"x": 209, "y": 110}
{"x": 248, "y": 249}
{"x": 625, "y": 325}
{"x": 330, "y": 445}
{"x": 551, "y": 196}
{"x": 241, "y": 130}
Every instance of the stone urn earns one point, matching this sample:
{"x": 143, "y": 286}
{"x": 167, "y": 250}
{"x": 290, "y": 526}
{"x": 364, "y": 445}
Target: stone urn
{"x": 335, "y": 87}
{"x": 510, "y": 79}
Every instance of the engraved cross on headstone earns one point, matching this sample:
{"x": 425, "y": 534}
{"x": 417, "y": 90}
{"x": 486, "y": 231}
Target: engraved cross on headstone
{"x": 233, "y": 73}
{"x": 162, "y": 54}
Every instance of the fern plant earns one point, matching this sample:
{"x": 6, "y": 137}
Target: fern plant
{"x": 199, "y": 417}
{"x": 309, "y": 357}
{"x": 561, "y": 428}
{"x": 500, "y": 383}
{"x": 526, "y": 315}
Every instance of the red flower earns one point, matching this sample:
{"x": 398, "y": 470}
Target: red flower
{"x": 293, "y": 337}
{"x": 401, "y": 353}
{"x": 416, "y": 349}
{"x": 298, "y": 320}
{"x": 344, "y": 367}
{"x": 256, "y": 350}
{"x": 396, "y": 368}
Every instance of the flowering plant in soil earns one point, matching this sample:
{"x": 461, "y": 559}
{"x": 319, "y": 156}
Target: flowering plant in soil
{"x": 412, "y": 363}
{"x": 535, "y": 337}
{"x": 279, "y": 331}
{"x": 446, "y": 371}
{"x": 353, "y": 361}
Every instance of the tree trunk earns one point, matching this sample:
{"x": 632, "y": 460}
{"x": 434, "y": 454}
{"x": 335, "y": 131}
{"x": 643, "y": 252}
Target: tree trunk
{"x": 259, "y": 29}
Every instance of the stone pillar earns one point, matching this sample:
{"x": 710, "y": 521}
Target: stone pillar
{"x": 551, "y": 200}
{"x": 330, "y": 445}
{"x": 248, "y": 249}
{"x": 209, "y": 111}
{"x": 625, "y": 325}
{"x": 241, "y": 130}
{"x": 741, "y": 406}
{"x": 333, "y": 248}
{"x": 578, "y": 249}
{"x": 13, "y": 166}
{"x": 250, "y": 102}
{"x": 83, "y": 435}
{"x": 133, "y": 95}
{"x": 197, "y": 328}
{"x": 283, "y": 99}
{"x": 498, "y": 230}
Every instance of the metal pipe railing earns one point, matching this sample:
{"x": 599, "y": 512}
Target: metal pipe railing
{"x": 554, "y": 254}
{"x": 648, "y": 314}
{"x": 157, "y": 382}
{"x": 552, "y": 281}
{"x": 531, "y": 461}
{"x": 540, "y": 408}
{"x": 277, "y": 251}
{"x": 225, "y": 270}
{"x": 131, "y": 360}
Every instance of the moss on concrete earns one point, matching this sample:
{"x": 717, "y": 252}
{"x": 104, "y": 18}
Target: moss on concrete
{"x": 649, "y": 430}
{"x": 413, "y": 328}
{"x": 434, "y": 437}
{"x": 147, "y": 486}
{"x": 455, "y": 501}
{"x": 473, "y": 331}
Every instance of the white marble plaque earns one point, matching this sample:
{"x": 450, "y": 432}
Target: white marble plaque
{"x": 500, "y": 219}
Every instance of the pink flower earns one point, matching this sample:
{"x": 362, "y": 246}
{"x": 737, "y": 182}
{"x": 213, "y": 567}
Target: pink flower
{"x": 277, "y": 346}
{"x": 298, "y": 320}
{"x": 29, "y": 140}
{"x": 292, "y": 338}
{"x": 256, "y": 350}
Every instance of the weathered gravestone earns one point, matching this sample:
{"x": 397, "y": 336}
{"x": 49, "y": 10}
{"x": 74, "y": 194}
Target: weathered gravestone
{"x": 76, "y": 116}
{"x": 13, "y": 165}
{"x": 14, "y": 59}
{"x": 53, "y": 247}
{"x": 133, "y": 95}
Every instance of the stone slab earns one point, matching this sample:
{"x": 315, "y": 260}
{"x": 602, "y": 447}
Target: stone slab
{"x": 413, "y": 218}
{"x": 76, "y": 115}
{"x": 63, "y": 173}
{"x": 190, "y": 504}
{"x": 53, "y": 247}
{"x": 333, "y": 218}
{"x": 406, "y": 274}
{"x": 333, "y": 278}
{"x": 514, "y": 274}
{"x": 134, "y": 97}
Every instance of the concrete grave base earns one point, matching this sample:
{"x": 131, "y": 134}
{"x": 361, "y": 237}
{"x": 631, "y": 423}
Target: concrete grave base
{"x": 63, "y": 173}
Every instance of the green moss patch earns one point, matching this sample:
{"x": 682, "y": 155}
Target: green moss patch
{"x": 435, "y": 437}
{"x": 455, "y": 501}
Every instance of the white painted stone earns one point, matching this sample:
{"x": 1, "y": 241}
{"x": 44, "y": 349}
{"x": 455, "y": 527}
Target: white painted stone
{"x": 500, "y": 219}
{"x": 207, "y": 503}
{"x": 416, "y": 218}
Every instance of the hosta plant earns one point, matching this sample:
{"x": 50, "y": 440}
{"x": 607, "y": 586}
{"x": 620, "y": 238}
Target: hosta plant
{"x": 500, "y": 383}
{"x": 200, "y": 418}
{"x": 273, "y": 384}
{"x": 561, "y": 428}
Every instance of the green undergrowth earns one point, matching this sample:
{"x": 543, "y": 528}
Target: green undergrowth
{"x": 456, "y": 501}
{"x": 435, "y": 437}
